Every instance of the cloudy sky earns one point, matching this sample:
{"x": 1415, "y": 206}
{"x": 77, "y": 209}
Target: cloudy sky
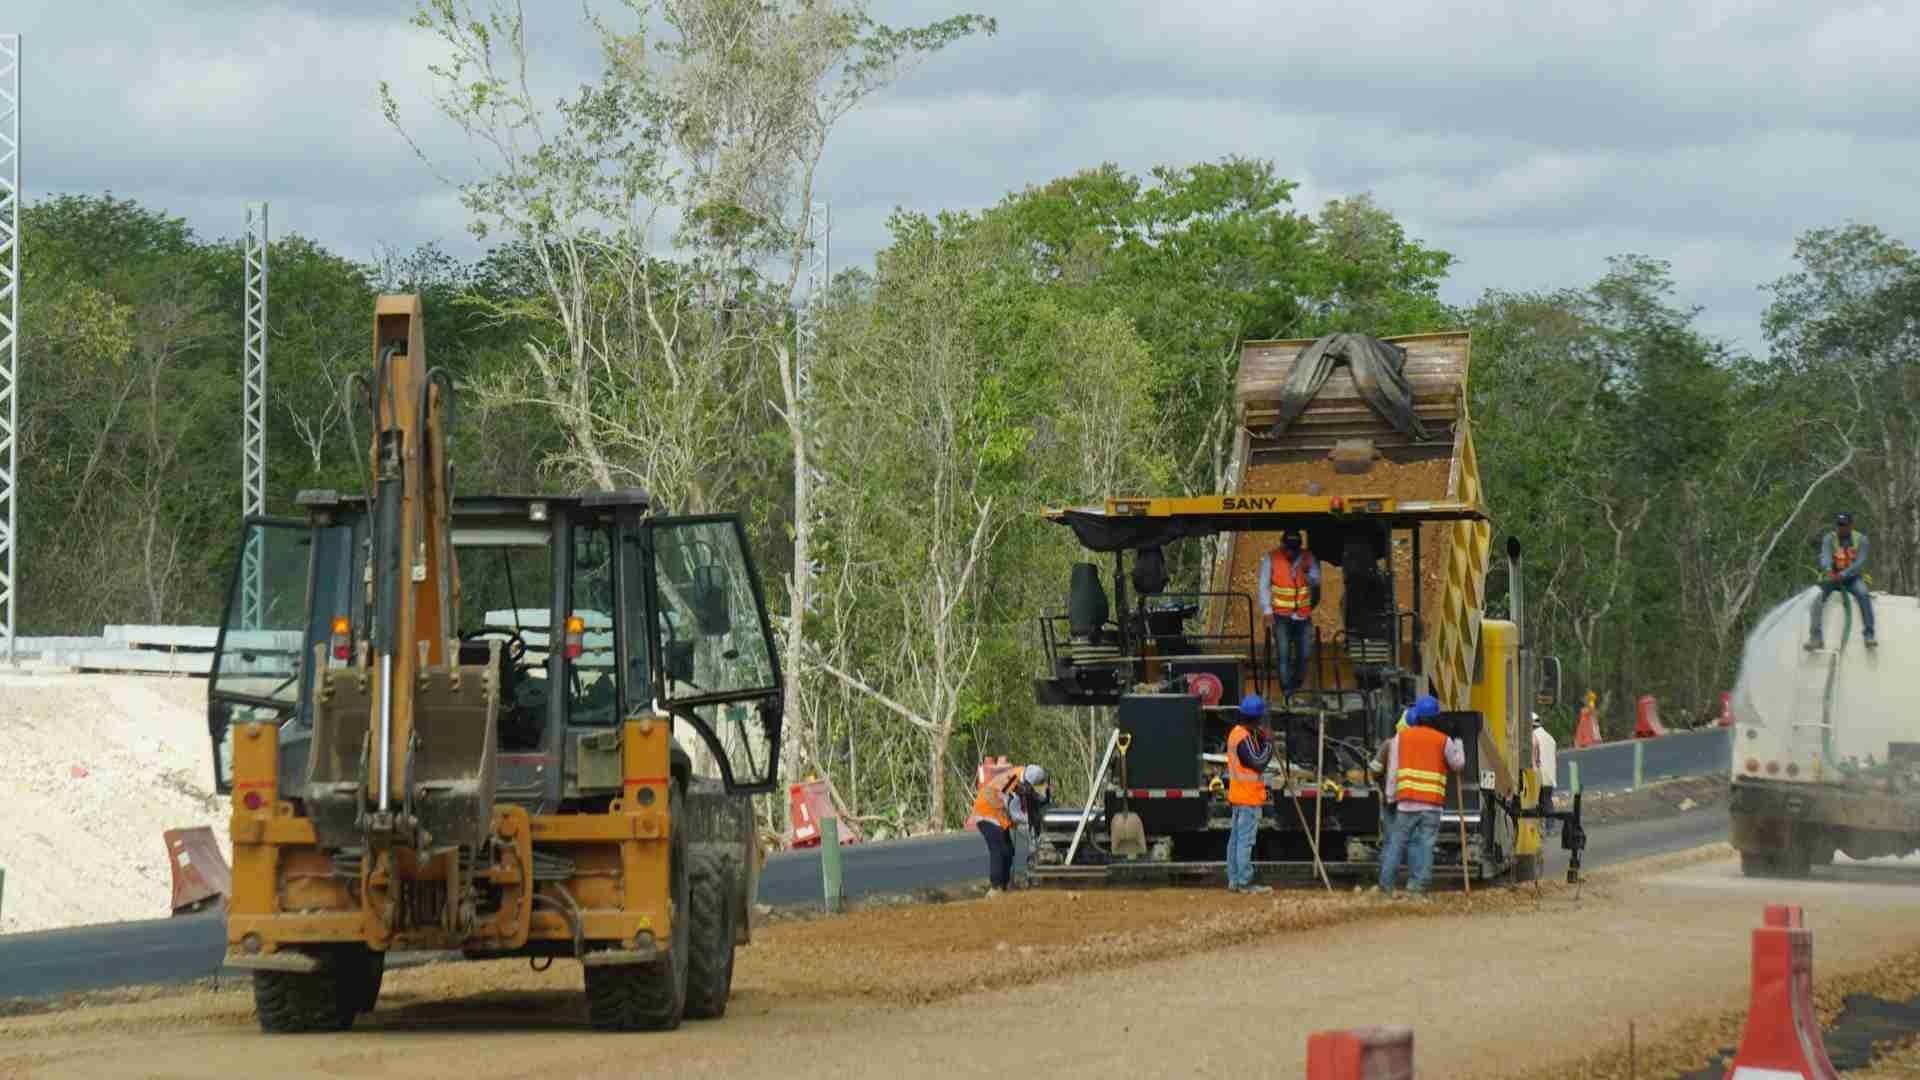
{"x": 1532, "y": 138}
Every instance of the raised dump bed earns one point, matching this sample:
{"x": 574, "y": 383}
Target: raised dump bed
{"x": 1340, "y": 443}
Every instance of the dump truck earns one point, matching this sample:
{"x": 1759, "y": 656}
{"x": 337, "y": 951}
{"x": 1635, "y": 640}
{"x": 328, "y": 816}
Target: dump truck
{"x": 503, "y": 726}
{"x": 1364, "y": 446}
{"x": 1824, "y": 756}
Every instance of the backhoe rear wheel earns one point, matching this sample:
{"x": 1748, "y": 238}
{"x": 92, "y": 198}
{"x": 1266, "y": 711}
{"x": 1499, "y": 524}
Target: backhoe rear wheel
{"x": 710, "y": 962}
{"x": 652, "y": 996}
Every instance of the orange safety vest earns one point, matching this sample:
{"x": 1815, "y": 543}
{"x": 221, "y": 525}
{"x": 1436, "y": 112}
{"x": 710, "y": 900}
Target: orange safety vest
{"x": 990, "y": 802}
{"x": 1292, "y": 592}
{"x": 1245, "y": 787}
{"x": 1422, "y": 775}
{"x": 1843, "y": 552}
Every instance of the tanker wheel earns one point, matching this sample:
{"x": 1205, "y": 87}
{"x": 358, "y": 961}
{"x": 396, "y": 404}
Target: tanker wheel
{"x": 651, "y": 996}
{"x": 1795, "y": 862}
{"x": 289, "y": 1002}
{"x": 710, "y": 961}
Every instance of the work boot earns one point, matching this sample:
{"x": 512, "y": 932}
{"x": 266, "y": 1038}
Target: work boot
{"x": 991, "y": 893}
{"x": 1872, "y": 642}
{"x": 1257, "y": 889}
{"x": 1815, "y": 644}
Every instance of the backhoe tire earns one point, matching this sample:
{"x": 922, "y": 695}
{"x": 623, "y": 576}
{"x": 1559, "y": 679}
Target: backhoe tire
{"x": 710, "y": 961}
{"x": 289, "y": 1002}
{"x": 651, "y": 996}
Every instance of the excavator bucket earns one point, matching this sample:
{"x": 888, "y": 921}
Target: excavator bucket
{"x": 200, "y": 874}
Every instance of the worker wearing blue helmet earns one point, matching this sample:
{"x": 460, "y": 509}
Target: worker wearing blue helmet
{"x": 1426, "y": 707}
{"x": 1249, "y": 749}
{"x": 1416, "y": 762}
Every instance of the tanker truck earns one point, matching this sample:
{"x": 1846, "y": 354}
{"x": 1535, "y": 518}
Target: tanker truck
{"x": 1826, "y": 750}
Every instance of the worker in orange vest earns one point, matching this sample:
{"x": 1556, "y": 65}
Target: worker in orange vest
{"x": 999, "y": 805}
{"x": 1288, "y": 582}
{"x": 1417, "y": 763}
{"x": 1249, "y": 748}
{"x": 1843, "y": 557}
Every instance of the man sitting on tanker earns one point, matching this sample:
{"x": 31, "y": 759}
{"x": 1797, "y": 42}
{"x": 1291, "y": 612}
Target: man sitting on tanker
{"x": 1843, "y": 556}
{"x": 1289, "y": 582}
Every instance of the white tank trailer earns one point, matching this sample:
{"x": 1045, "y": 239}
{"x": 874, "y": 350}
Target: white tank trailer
{"x": 1826, "y": 744}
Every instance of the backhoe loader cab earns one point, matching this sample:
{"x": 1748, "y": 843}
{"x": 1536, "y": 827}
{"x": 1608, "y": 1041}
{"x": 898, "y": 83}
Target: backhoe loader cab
{"x": 499, "y": 725}
{"x": 531, "y": 569}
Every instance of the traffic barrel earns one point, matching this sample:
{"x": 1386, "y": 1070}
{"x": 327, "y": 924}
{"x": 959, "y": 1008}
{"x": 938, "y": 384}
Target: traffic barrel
{"x": 1368, "y": 1053}
{"x": 1782, "y": 1036}
{"x": 1648, "y": 725}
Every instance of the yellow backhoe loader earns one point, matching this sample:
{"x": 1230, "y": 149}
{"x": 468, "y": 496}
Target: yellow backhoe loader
{"x": 463, "y": 724}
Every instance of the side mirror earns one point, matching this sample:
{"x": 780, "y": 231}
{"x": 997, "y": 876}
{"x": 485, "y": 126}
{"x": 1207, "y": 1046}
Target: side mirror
{"x": 709, "y": 599}
{"x": 1546, "y": 691}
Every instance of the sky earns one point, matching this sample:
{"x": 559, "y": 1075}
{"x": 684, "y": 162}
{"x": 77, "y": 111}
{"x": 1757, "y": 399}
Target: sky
{"x": 1532, "y": 139}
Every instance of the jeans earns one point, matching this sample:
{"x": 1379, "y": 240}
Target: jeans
{"x": 1292, "y": 635}
{"x": 999, "y": 854}
{"x": 1853, "y": 587}
{"x": 1246, "y": 819}
{"x": 1546, "y": 803}
{"x": 1410, "y": 834}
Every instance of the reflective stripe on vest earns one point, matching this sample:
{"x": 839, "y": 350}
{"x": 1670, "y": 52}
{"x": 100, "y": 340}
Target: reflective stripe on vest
{"x": 1422, "y": 775}
{"x": 990, "y": 802}
{"x": 1245, "y": 787}
{"x": 1289, "y": 585}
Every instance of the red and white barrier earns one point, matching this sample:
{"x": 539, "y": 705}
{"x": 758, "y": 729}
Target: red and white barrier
{"x": 1782, "y": 1038}
{"x": 1369, "y": 1053}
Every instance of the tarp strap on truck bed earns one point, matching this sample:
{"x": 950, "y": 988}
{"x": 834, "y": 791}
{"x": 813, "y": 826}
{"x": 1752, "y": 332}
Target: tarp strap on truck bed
{"x": 1377, "y": 371}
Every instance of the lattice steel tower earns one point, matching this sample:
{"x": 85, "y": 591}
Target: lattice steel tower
{"x": 9, "y": 332}
{"x": 253, "y": 406}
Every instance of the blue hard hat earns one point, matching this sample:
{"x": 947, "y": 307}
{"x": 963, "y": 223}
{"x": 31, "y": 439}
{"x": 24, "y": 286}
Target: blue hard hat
{"x": 1426, "y": 707}
{"x": 1253, "y": 705}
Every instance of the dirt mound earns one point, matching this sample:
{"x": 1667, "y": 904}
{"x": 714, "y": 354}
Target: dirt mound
{"x": 94, "y": 769}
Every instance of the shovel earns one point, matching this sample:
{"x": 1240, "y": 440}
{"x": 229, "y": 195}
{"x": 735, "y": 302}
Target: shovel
{"x": 1126, "y": 833}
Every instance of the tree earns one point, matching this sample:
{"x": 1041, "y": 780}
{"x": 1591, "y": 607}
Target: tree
{"x": 759, "y": 86}
{"x": 1846, "y": 323}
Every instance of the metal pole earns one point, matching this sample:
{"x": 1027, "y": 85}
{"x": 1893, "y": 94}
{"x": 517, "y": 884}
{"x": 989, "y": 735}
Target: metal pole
{"x": 253, "y": 406}
{"x": 1639, "y": 760}
{"x": 9, "y": 331}
{"x": 1573, "y": 777}
{"x": 1093, "y": 792}
{"x": 830, "y": 864}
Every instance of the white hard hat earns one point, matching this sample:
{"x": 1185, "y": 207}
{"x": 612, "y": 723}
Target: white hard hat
{"x": 1034, "y": 775}
{"x": 1536, "y": 719}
